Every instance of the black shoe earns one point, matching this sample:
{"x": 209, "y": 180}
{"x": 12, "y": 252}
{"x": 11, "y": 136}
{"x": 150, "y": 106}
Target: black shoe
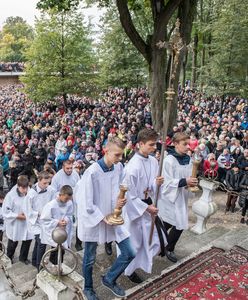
{"x": 171, "y": 256}
{"x": 26, "y": 262}
{"x": 135, "y": 278}
{"x": 78, "y": 247}
{"x": 242, "y": 221}
{"x": 247, "y": 222}
{"x": 227, "y": 209}
{"x": 108, "y": 248}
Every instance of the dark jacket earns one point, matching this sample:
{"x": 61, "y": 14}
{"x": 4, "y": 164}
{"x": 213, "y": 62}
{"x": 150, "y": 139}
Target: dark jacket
{"x": 233, "y": 180}
{"x": 242, "y": 163}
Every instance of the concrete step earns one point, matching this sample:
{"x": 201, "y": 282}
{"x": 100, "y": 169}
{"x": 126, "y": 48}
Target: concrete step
{"x": 234, "y": 237}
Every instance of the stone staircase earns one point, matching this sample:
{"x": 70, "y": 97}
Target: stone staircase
{"x": 218, "y": 236}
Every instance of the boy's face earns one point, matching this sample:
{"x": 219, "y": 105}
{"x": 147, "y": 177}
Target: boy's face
{"x": 113, "y": 153}
{"x": 182, "y": 147}
{"x": 148, "y": 147}
{"x": 44, "y": 183}
{"x": 64, "y": 198}
{"x": 23, "y": 190}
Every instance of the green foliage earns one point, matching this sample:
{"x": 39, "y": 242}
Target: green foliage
{"x": 60, "y": 60}
{"x": 223, "y": 40}
{"x": 15, "y": 38}
{"x": 120, "y": 63}
{"x": 58, "y": 5}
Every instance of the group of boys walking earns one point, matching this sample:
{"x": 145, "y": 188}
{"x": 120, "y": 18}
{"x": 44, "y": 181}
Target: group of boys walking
{"x": 35, "y": 212}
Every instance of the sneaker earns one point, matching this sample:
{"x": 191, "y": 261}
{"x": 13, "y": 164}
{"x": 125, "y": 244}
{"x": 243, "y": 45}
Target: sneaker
{"x": 242, "y": 221}
{"x": 114, "y": 288}
{"x": 108, "y": 248}
{"x": 90, "y": 294}
{"x": 134, "y": 277}
{"x": 171, "y": 256}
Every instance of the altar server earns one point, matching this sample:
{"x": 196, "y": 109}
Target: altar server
{"x": 14, "y": 213}
{"x": 141, "y": 176}
{"x": 57, "y": 213}
{"x": 97, "y": 196}
{"x": 173, "y": 205}
{"x": 38, "y": 196}
{"x": 66, "y": 176}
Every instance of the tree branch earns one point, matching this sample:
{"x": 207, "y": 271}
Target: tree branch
{"x": 164, "y": 17}
{"x": 131, "y": 31}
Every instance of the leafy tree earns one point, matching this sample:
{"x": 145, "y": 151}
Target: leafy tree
{"x": 60, "y": 60}
{"x": 120, "y": 62}
{"x": 227, "y": 68}
{"x": 15, "y": 38}
{"x": 161, "y": 12}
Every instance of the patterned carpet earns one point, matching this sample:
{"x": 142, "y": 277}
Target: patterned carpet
{"x": 213, "y": 274}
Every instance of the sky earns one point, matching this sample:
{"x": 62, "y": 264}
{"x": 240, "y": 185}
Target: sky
{"x": 27, "y": 10}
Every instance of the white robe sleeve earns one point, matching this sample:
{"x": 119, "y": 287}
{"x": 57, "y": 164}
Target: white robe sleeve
{"x": 55, "y": 184}
{"x": 85, "y": 201}
{"x": 135, "y": 207}
{"x": 8, "y": 209}
{"x": 169, "y": 188}
{"x": 47, "y": 220}
{"x": 31, "y": 214}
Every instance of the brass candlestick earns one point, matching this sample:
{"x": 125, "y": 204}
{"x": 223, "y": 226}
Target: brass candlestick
{"x": 196, "y": 163}
{"x": 115, "y": 217}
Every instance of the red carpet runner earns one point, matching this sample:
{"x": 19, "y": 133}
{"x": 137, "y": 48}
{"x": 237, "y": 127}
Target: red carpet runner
{"x": 213, "y": 274}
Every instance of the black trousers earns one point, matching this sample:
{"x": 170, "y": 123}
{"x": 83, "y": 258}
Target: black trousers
{"x": 78, "y": 242}
{"x": 54, "y": 256}
{"x": 1, "y": 239}
{"x": 23, "y": 252}
{"x": 38, "y": 252}
{"x": 245, "y": 207}
{"x": 173, "y": 236}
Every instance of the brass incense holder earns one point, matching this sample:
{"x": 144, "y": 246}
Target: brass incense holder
{"x": 196, "y": 163}
{"x": 115, "y": 217}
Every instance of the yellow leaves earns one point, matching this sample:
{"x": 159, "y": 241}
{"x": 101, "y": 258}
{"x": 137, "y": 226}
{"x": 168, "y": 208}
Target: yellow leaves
{"x": 7, "y": 39}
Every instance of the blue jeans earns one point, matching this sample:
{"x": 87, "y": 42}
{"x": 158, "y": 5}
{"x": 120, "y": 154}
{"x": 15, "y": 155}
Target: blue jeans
{"x": 120, "y": 264}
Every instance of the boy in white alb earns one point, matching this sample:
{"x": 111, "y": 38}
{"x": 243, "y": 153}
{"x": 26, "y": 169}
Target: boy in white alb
{"x": 57, "y": 213}
{"x": 97, "y": 196}
{"x": 173, "y": 204}
{"x": 38, "y": 196}
{"x": 14, "y": 213}
{"x": 141, "y": 176}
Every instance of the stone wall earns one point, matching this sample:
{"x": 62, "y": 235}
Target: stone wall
{"x": 9, "y": 79}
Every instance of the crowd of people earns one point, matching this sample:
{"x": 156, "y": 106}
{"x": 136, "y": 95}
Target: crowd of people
{"x": 11, "y": 66}
{"x": 52, "y": 155}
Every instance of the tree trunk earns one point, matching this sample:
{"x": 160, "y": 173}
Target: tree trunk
{"x": 157, "y": 86}
{"x": 194, "y": 61}
{"x": 184, "y": 67}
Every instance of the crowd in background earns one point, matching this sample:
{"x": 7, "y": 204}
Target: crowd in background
{"x": 11, "y": 66}
{"x": 34, "y": 137}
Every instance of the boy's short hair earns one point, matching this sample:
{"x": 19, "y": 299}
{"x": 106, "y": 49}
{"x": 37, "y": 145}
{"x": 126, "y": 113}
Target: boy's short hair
{"x": 43, "y": 175}
{"x": 22, "y": 181}
{"x": 146, "y": 135}
{"x": 115, "y": 141}
{"x": 66, "y": 190}
{"x": 67, "y": 162}
{"x": 180, "y": 136}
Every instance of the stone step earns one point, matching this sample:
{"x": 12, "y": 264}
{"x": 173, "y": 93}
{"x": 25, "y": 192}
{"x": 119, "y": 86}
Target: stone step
{"x": 233, "y": 237}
